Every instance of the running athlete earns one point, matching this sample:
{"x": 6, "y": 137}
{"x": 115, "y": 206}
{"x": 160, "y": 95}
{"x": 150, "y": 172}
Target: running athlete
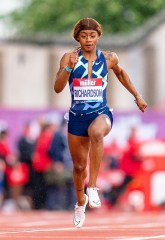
{"x": 90, "y": 119}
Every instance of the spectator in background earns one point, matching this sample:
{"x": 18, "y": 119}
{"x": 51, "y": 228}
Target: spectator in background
{"x": 130, "y": 164}
{"x": 112, "y": 154}
{"x": 61, "y": 192}
{"x": 5, "y": 152}
{"x": 41, "y": 161}
{"x": 4, "y": 155}
{"x": 25, "y": 146}
{"x": 15, "y": 174}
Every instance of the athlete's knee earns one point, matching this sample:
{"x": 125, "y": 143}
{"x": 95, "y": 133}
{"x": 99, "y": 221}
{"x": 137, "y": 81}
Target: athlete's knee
{"x": 96, "y": 135}
{"x": 79, "y": 168}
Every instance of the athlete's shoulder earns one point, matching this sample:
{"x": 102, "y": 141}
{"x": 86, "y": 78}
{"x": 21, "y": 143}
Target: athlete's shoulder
{"x": 111, "y": 56}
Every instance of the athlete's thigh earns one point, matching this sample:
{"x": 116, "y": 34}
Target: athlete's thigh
{"x": 101, "y": 124}
{"x": 79, "y": 147}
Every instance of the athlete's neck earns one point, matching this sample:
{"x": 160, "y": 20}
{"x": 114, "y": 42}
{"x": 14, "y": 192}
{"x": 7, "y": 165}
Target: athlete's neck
{"x": 90, "y": 56}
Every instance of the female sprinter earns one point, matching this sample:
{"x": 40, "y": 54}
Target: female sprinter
{"x": 90, "y": 119}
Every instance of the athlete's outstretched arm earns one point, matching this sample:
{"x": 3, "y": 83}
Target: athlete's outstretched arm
{"x": 123, "y": 77}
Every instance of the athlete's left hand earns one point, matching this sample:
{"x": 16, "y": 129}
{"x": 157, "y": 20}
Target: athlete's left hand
{"x": 142, "y": 105}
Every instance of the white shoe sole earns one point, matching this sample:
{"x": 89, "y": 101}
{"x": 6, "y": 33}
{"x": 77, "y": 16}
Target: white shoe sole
{"x": 93, "y": 204}
{"x": 77, "y": 223}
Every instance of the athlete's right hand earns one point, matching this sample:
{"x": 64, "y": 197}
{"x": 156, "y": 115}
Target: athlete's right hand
{"x": 73, "y": 59}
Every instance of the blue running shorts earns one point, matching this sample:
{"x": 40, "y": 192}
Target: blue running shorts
{"x": 78, "y": 123}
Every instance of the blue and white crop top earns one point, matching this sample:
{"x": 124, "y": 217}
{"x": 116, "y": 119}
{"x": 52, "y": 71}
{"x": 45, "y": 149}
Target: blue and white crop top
{"x": 88, "y": 95}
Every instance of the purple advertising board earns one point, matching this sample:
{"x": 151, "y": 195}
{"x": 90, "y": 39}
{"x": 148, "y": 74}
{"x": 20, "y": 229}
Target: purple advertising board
{"x": 150, "y": 124}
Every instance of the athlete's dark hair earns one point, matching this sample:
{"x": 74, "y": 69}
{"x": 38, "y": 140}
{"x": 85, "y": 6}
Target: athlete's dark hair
{"x": 86, "y": 24}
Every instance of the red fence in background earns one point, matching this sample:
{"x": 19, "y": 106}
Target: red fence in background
{"x": 147, "y": 190}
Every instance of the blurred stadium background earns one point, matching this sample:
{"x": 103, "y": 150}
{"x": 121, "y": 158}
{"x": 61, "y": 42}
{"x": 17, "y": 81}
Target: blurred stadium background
{"x": 33, "y": 38}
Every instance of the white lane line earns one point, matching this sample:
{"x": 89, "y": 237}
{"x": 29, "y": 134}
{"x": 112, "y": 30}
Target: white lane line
{"x": 142, "y": 225}
{"x": 37, "y": 230}
{"x": 142, "y": 238}
{"x": 111, "y": 226}
{"x": 54, "y": 230}
{"x": 96, "y": 228}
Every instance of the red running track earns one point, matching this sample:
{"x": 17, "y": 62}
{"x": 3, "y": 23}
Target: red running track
{"x": 99, "y": 224}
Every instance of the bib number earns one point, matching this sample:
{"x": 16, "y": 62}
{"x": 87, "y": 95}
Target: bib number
{"x": 88, "y": 89}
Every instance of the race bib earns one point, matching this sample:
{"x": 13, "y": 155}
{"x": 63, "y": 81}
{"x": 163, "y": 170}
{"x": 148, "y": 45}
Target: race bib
{"x": 88, "y": 89}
